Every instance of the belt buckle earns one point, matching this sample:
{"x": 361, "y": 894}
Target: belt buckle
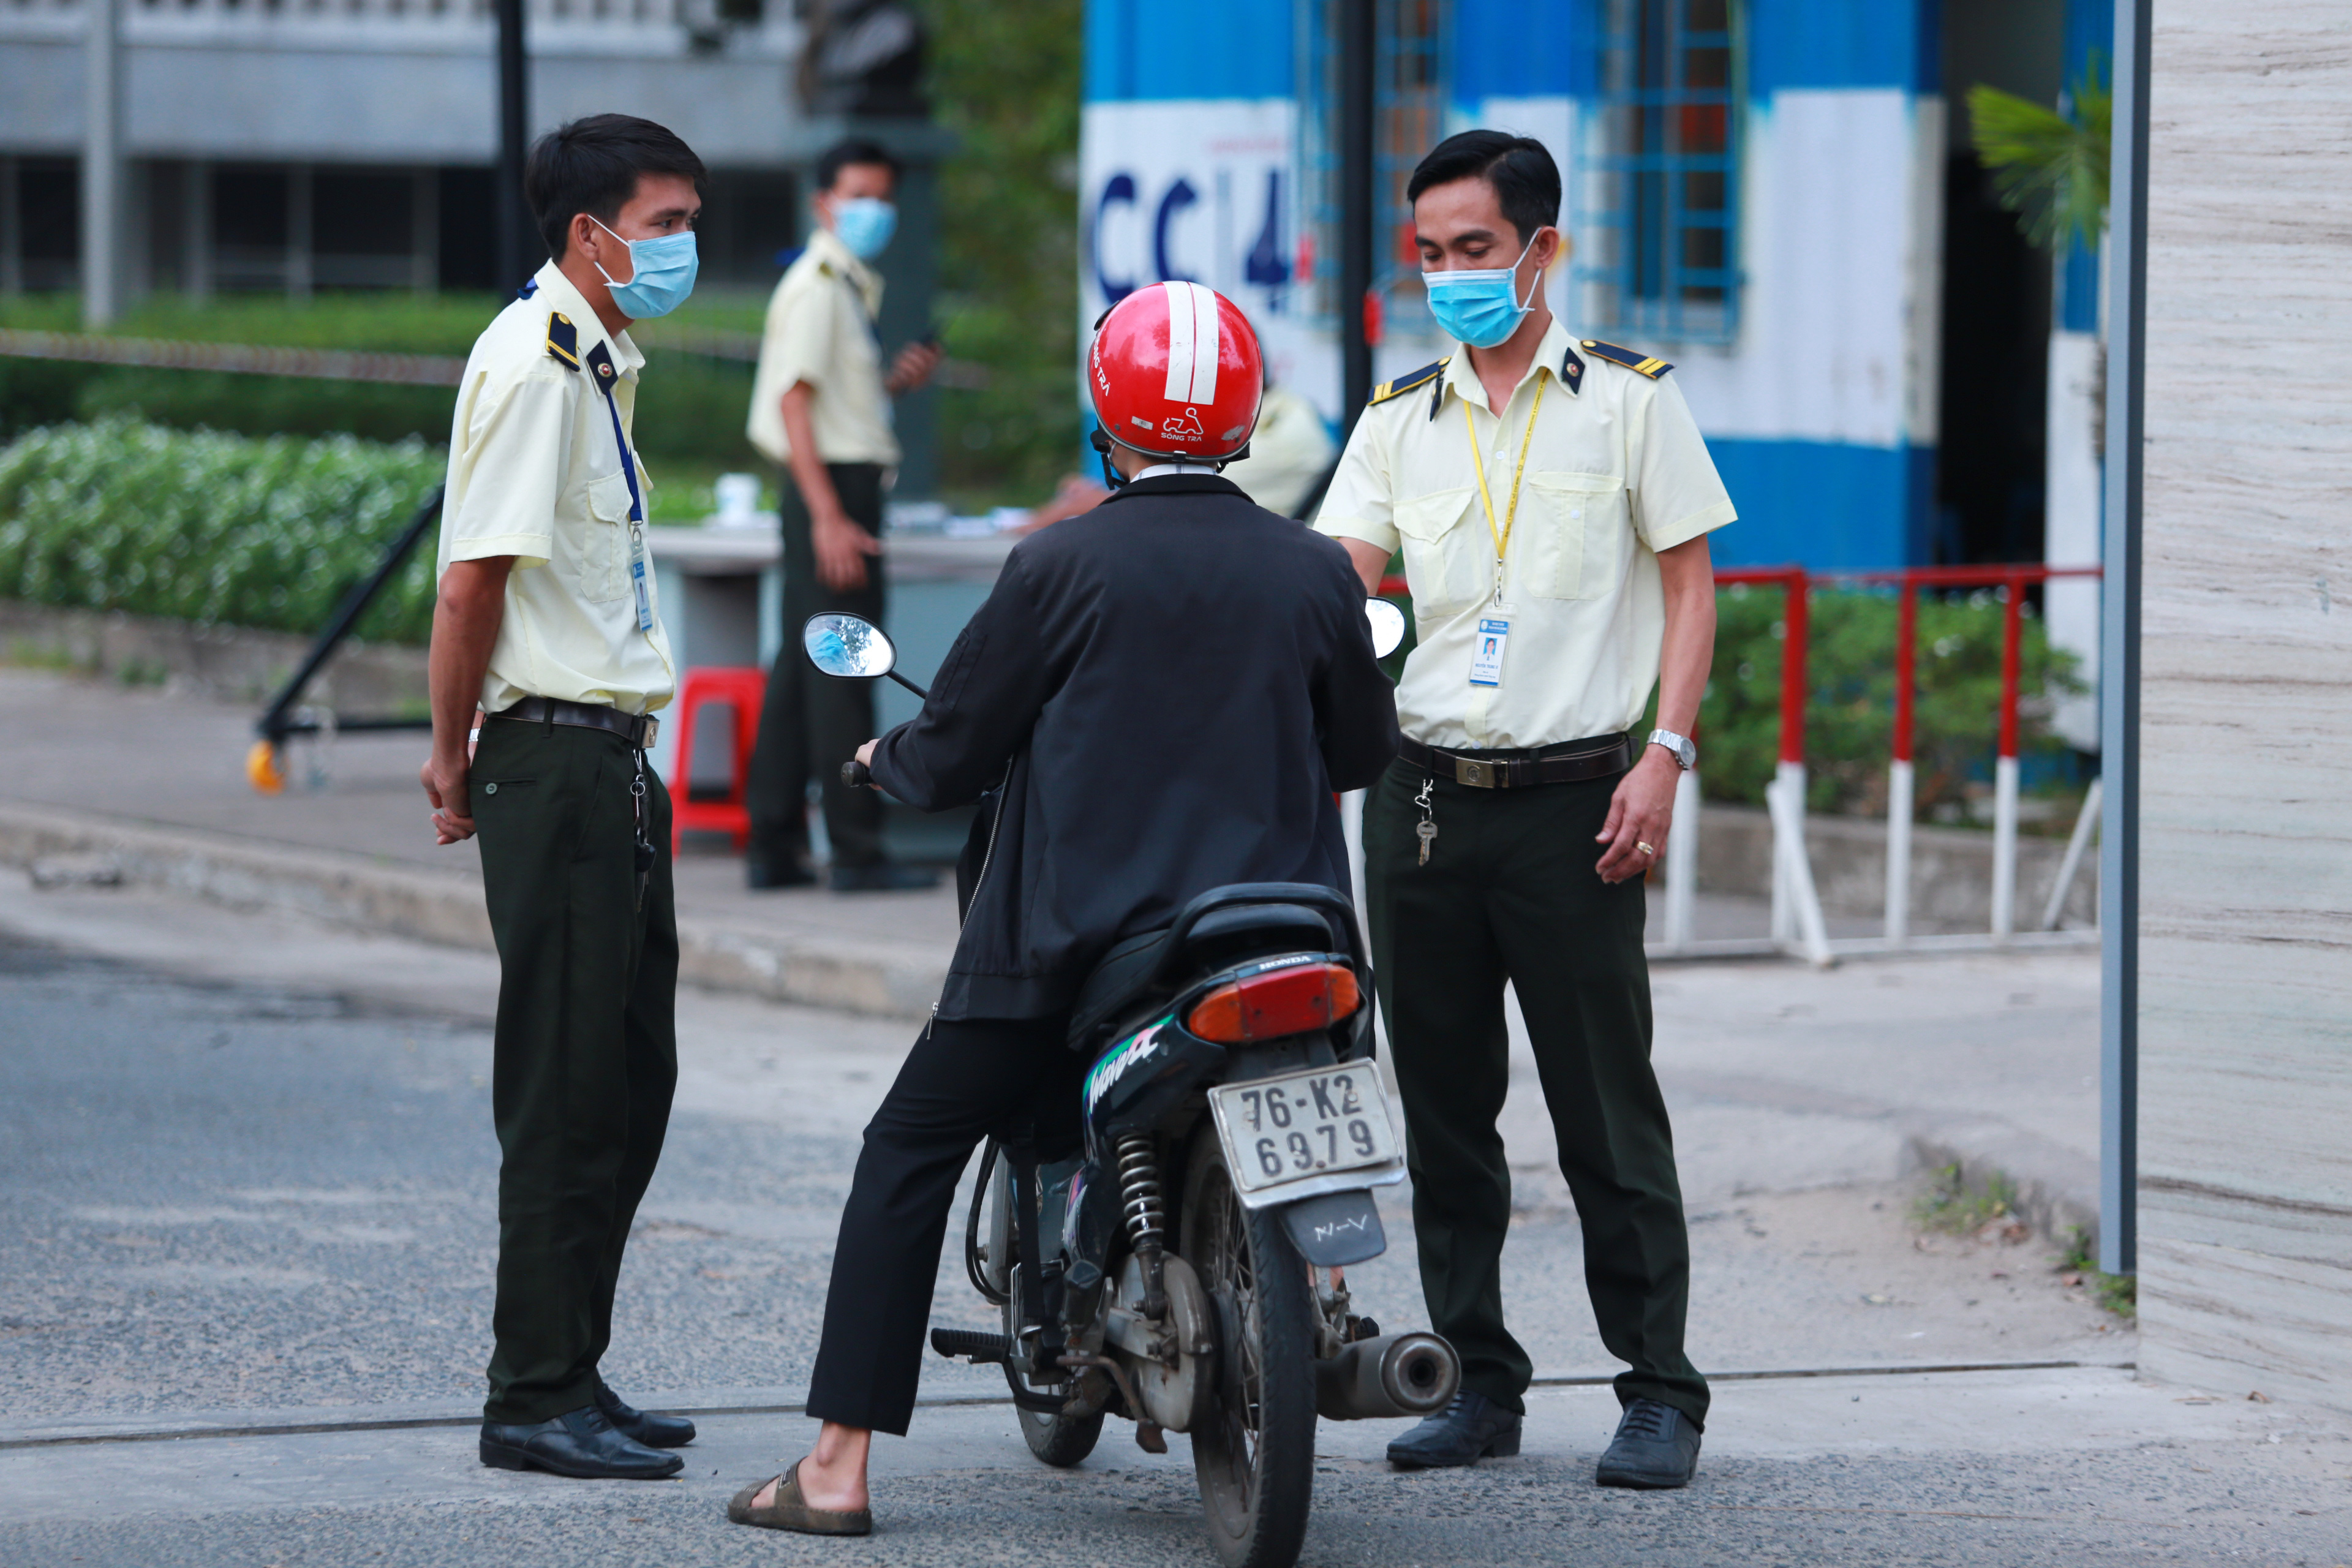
{"x": 649, "y": 733}
{"x": 1474, "y": 773}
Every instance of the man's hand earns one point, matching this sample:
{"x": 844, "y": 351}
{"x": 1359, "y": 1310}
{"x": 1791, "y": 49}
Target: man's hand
{"x": 444, "y": 779}
{"x": 841, "y": 548}
{"x": 1640, "y": 813}
{"x": 912, "y": 368}
{"x": 865, "y": 752}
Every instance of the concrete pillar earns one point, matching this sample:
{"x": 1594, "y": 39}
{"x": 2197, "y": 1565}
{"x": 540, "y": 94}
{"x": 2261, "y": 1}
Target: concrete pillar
{"x": 197, "y": 229}
{"x": 2244, "y": 1172}
{"x": 101, "y": 163}
{"x": 298, "y": 248}
{"x": 424, "y": 231}
{"x": 12, "y": 231}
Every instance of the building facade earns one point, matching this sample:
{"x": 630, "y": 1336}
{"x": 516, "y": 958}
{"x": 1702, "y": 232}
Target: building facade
{"x": 293, "y": 144}
{"x": 1779, "y": 195}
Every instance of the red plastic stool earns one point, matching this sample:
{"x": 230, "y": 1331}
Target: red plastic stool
{"x": 745, "y": 691}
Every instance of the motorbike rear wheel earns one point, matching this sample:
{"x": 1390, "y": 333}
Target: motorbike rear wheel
{"x": 1254, "y": 1456}
{"x": 1059, "y": 1440}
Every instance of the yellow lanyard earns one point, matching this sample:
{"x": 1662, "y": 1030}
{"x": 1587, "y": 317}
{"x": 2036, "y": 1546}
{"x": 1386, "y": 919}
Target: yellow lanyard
{"x": 1501, "y": 533}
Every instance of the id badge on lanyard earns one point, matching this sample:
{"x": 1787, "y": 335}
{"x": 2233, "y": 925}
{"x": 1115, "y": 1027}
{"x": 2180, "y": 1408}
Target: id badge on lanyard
{"x": 1486, "y": 650}
{"x": 636, "y": 519}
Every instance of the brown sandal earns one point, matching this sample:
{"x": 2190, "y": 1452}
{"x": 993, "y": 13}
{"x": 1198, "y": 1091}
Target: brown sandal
{"x": 789, "y": 1510}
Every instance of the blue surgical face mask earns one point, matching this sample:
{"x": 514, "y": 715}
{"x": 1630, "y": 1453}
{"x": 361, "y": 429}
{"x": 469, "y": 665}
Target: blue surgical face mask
{"x": 1481, "y": 307}
{"x": 864, "y": 224}
{"x": 664, "y": 267}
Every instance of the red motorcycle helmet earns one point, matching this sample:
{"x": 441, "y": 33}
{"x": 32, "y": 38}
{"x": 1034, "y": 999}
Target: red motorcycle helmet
{"x": 1175, "y": 372}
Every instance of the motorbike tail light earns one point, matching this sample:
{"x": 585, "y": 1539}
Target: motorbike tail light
{"x": 1269, "y": 1007}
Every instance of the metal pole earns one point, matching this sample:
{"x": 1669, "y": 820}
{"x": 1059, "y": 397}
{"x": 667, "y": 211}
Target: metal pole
{"x": 102, "y": 165}
{"x": 1356, "y": 174}
{"x": 516, "y": 258}
{"x": 2119, "y": 653}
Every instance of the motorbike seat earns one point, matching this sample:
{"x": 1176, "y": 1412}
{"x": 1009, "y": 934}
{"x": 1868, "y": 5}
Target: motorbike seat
{"x": 1144, "y": 965}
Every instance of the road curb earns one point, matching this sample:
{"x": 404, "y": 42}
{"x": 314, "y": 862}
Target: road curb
{"x": 444, "y": 908}
{"x": 2057, "y": 1188}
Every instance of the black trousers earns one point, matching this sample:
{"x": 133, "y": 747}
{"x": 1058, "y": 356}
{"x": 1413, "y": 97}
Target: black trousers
{"x": 963, "y": 1081}
{"x": 813, "y": 724}
{"x": 586, "y": 1045}
{"x": 1510, "y": 893}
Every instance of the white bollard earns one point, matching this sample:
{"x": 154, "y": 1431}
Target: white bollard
{"x": 1792, "y": 881}
{"x": 2004, "y": 846}
{"x": 1682, "y": 863}
{"x": 1785, "y": 775}
{"x": 2086, "y": 823}
{"x": 1351, "y": 828}
{"x": 1899, "y": 806}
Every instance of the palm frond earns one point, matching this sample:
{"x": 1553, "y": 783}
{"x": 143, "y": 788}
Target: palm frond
{"x": 2049, "y": 166}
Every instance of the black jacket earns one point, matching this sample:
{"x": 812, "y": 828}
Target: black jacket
{"x": 1170, "y": 688}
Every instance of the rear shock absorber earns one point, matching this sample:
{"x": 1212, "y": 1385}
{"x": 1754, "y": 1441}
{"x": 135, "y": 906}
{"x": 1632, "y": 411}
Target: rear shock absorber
{"x": 1141, "y": 1206}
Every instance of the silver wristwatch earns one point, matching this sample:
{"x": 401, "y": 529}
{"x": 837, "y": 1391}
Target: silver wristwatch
{"x": 1684, "y": 750}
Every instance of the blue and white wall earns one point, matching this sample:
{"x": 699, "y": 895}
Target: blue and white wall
{"x": 1822, "y": 413}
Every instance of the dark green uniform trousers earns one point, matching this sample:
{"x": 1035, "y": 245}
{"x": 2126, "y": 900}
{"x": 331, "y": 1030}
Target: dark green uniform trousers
{"x": 812, "y": 723}
{"x": 586, "y": 1053}
{"x": 1510, "y": 893}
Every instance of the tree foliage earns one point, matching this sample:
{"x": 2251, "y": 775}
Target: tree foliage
{"x": 2049, "y": 165}
{"x": 1006, "y": 81}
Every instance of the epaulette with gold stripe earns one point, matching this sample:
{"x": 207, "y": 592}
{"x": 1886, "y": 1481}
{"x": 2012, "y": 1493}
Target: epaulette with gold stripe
{"x": 562, "y": 340}
{"x": 1405, "y": 383}
{"x": 1638, "y": 363}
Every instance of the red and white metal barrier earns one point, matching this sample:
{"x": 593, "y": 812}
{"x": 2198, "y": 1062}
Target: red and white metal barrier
{"x": 1797, "y": 924}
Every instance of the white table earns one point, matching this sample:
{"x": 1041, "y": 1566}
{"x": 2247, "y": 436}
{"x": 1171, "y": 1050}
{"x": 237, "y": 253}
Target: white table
{"x": 723, "y": 597}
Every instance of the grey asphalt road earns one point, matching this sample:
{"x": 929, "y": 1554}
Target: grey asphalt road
{"x": 235, "y": 1195}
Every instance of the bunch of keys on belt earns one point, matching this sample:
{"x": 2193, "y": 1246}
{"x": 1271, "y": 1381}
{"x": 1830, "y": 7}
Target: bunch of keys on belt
{"x": 1427, "y": 830}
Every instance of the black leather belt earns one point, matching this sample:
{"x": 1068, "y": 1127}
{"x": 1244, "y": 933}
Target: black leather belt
{"x": 637, "y": 729}
{"x": 1569, "y": 763}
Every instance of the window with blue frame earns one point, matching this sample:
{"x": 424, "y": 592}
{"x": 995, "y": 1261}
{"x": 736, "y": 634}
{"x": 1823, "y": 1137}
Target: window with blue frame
{"x": 1410, "y": 73}
{"x": 1658, "y": 184}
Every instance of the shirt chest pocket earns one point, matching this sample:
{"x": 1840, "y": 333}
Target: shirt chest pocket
{"x": 601, "y": 541}
{"x": 1447, "y": 563}
{"x": 1579, "y": 534}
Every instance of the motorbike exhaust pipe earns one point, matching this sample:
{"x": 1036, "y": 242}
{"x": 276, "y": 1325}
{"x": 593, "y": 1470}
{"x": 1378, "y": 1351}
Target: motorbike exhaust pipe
{"x": 1395, "y": 1375}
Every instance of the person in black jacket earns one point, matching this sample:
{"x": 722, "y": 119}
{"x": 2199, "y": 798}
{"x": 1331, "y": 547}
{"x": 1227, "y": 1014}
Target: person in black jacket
{"x": 1162, "y": 697}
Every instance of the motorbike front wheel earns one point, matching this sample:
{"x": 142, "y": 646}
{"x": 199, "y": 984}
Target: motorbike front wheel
{"x": 1254, "y": 1456}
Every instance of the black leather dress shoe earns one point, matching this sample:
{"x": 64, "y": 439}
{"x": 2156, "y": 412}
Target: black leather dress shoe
{"x": 653, "y": 1431}
{"x": 1656, "y": 1448}
{"x": 883, "y": 877}
{"x": 580, "y": 1443}
{"x": 1472, "y": 1429}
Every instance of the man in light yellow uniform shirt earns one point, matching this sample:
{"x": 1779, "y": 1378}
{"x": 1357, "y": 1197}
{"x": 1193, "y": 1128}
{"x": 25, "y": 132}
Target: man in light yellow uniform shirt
{"x": 547, "y": 622}
{"x": 821, "y": 410}
{"x": 1551, "y": 498}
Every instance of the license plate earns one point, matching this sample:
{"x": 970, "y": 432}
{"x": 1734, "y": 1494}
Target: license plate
{"x": 1278, "y": 1131}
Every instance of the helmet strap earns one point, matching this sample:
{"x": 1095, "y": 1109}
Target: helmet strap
{"x": 1100, "y": 441}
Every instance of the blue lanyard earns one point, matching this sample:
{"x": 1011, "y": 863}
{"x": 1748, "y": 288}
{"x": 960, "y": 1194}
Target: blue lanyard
{"x": 628, "y": 463}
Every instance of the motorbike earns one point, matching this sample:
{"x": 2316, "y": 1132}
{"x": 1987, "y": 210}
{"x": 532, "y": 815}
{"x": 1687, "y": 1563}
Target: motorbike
{"x": 1185, "y": 1268}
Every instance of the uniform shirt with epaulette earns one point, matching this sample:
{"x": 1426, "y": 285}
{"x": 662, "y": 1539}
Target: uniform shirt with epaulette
{"x": 1615, "y": 472}
{"x": 820, "y": 329}
{"x": 537, "y": 470}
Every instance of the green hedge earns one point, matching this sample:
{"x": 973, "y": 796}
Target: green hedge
{"x": 212, "y": 528}
{"x": 689, "y": 423}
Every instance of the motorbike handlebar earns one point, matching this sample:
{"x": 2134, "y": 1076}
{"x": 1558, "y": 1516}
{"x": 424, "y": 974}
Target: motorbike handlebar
{"x": 856, "y": 775}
